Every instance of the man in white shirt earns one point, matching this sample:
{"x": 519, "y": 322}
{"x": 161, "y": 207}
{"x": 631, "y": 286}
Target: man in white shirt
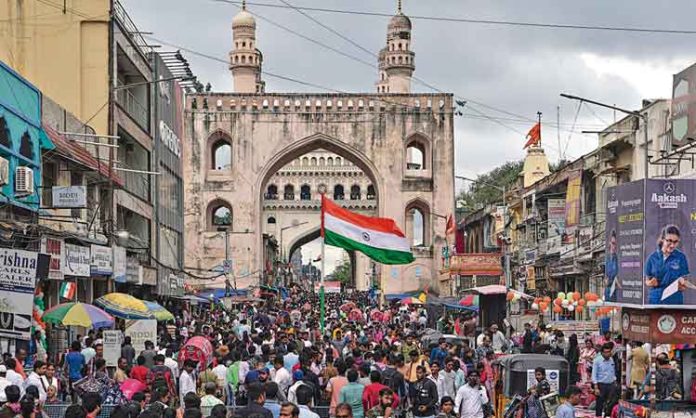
{"x": 187, "y": 382}
{"x": 34, "y": 379}
{"x": 471, "y": 398}
{"x": 171, "y": 363}
{"x": 280, "y": 375}
{"x": 3, "y": 383}
{"x": 14, "y": 377}
{"x": 221, "y": 372}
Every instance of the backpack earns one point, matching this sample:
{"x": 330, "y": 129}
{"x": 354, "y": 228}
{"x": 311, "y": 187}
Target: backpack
{"x": 159, "y": 378}
{"x": 390, "y": 379}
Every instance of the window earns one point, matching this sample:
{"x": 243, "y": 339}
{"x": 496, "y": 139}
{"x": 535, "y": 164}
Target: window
{"x": 355, "y": 192}
{"x": 338, "y": 192}
{"x": 25, "y": 148}
{"x": 314, "y": 161}
{"x": 417, "y": 227}
{"x": 415, "y": 157}
{"x": 271, "y": 220}
{"x": 222, "y": 155}
{"x": 305, "y": 161}
{"x": 289, "y": 192}
{"x": 271, "y": 192}
{"x": 4, "y": 134}
{"x": 329, "y": 161}
{"x": 370, "y": 192}
{"x": 222, "y": 216}
{"x": 338, "y": 161}
{"x": 322, "y": 161}
{"x": 305, "y": 192}
{"x": 48, "y": 180}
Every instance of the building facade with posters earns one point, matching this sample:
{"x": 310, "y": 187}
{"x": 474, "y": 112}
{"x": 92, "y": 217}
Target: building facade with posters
{"x": 102, "y": 71}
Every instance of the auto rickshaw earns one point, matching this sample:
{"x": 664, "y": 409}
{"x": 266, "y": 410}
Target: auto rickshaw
{"x": 515, "y": 376}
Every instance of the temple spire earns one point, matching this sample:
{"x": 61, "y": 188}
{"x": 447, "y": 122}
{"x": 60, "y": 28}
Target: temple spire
{"x": 244, "y": 4}
{"x": 398, "y": 6}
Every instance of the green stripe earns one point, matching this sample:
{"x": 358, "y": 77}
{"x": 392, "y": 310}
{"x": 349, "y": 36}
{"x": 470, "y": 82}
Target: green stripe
{"x": 378, "y": 254}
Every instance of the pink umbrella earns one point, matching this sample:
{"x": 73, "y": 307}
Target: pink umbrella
{"x": 355, "y": 315}
{"x": 129, "y": 387}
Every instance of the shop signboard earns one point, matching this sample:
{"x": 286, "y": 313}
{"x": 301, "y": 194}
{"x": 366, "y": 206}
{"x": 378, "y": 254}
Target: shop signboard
{"x": 659, "y": 326}
{"x": 134, "y": 271}
{"x": 55, "y": 248}
{"x": 112, "y": 347}
{"x": 120, "y": 261}
{"x": 556, "y": 210}
{"x": 650, "y": 238}
{"x": 77, "y": 260}
{"x": 69, "y": 196}
{"x": 572, "y": 206}
{"x": 476, "y": 264}
{"x": 102, "y": 260}
{"x": 141, "y": 330}
{"x": 17, "y": 284}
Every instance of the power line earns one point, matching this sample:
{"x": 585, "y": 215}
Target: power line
{"x": 481, "y": 21}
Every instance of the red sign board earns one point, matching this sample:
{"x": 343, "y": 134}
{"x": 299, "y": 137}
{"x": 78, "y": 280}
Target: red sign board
{"x": 659, "y": 326}
{"x": 487, "y": 264}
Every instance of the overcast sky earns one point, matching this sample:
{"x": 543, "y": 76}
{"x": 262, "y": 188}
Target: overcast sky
{"x": 520, "y": 70}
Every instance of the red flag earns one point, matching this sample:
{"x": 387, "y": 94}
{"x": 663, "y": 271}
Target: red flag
{"x": 450, "y": 227}
{"x": 534, "y": 135}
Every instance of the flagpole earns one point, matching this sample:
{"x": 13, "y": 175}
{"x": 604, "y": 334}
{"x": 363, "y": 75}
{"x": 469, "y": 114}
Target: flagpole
{"x": 539, "y": 119}
{"x": 321, "y": 277}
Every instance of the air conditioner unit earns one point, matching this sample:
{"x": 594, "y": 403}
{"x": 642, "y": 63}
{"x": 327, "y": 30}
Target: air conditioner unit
{"x": 4, "y": 171}
{"x": 24, "y": 180}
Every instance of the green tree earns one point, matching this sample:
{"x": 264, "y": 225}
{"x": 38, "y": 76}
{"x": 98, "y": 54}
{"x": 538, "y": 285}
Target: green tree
{"x": 343, "y": 272}
{"x": 481, "y": 192}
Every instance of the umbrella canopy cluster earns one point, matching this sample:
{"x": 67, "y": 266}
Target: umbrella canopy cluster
{"x": 78, "y": 314}
{"x": 128, "y": 307}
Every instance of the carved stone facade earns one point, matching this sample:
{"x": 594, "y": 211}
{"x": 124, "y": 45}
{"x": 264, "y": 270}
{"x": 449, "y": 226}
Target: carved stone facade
{"x": 238, "y": 144}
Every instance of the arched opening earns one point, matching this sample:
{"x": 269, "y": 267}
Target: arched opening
{"x": 355, "y": 192}
{"x": 277, "y": 171}
{"x": 289, "y": 192}
{"x": 338, "y": 193}
{"x": 370, "y": 192}
{"x": 221, "y": 153}
{"x": 305, "y": 263}
{"x": 418, "y": 223}
{"x": 305, "y": 161}
{"x": 271, "y": 192}
{"x": 305, "y": 192}
{"x": 329, "y": 161}
{"x": 271, "y": 220}
{"x": 313, "y": 161}
{"x": 26, "y": 149}
{"x": 322, "y": 161}
{"x": 219, "y": 215}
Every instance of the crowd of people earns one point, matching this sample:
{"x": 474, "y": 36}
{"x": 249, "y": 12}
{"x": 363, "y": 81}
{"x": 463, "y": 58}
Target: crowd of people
{"x": 273, "y": 361}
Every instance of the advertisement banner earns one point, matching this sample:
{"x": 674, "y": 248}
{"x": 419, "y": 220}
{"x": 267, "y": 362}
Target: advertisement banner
{"x": 141, "y": 330}
{"x": 684, "y": 104}
{"x": 119, "y": 264}
{"x": 102, "y": 260}
{"x": 17, "y": 285}
{"x": 531, "y": 278}
{"x": 659, "y": 326}
{"x": 670, "y": 242}
{"x": 552, "y": 375}
{"x": 556, "y": 210}
{"x": 623, "y": 273}
{"x": 572, "y": 206}
{"x": 112, "y": 347}
{"x": 650, "y": 233}
{"x": 77, "y": 260}
{"x": 54, "y": 247}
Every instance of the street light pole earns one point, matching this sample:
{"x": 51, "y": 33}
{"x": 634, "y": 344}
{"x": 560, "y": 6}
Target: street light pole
{"x": 282, "y": 250}
{"x": 646, "y": 161}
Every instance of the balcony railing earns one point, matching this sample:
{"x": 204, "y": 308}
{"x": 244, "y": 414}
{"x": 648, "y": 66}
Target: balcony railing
{"x": 134, "y": 108}
{"x": 289, "y": 196}
{"x": 270, "y": 196}
{"x": 137, "y": 183}
{"x": 339, "y": 197}
{"x": 355, "y": 196}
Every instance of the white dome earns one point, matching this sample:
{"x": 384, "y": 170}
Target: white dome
{"x": 243, "y": 18}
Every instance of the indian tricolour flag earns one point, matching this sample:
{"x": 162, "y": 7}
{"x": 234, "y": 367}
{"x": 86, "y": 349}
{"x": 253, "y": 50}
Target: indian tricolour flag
{"x": 67, "y": 290}
{"x": 378, "y": 238}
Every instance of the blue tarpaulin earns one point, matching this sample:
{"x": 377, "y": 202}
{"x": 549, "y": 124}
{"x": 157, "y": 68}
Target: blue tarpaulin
{"x": 217, "y": 294}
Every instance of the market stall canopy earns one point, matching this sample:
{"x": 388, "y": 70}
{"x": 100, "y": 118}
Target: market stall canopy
{"x": 160, "y": 313}
{"x": 217, "y": 294}
{"x": 496, "y": 289}
{"x": 124, "y": 306}
{"x": 78, "y": 314}
{"x": 194, "y": 298}
{"x": 411, "y": 301}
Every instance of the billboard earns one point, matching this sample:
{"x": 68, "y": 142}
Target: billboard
{"x": 17, "y": 284}
{"x": 650, "y": 238}
{"x": 684, "y": 104}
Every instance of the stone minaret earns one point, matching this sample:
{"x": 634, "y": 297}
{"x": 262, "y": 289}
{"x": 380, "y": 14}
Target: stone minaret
{"x": 245, "y": 58}
{"x": 396, "y": 60}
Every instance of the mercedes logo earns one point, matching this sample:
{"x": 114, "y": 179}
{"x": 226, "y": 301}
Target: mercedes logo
{"x": 669, "y": 187}
{"x": 366, "y": 236}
